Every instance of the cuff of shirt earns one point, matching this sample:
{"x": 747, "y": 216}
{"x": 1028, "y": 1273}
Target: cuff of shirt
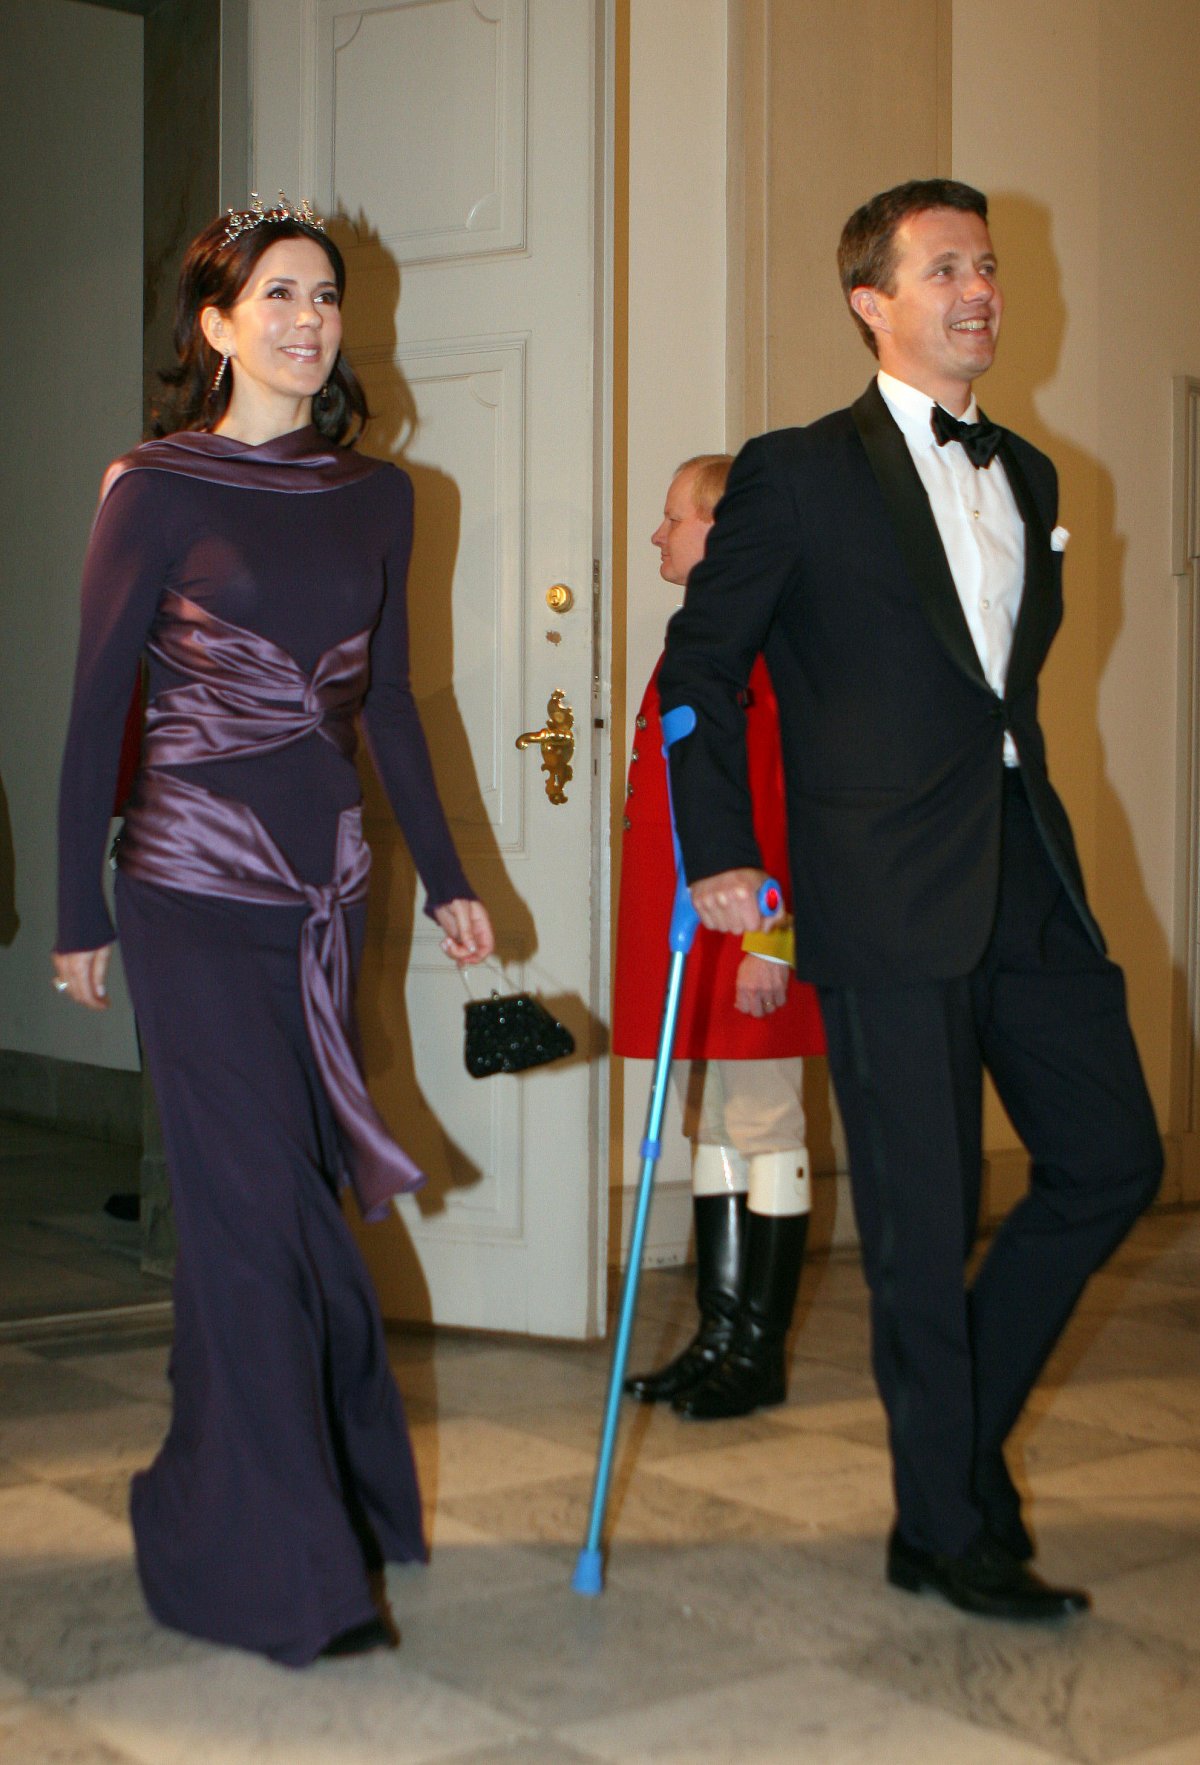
{"x": 777, "y": 945}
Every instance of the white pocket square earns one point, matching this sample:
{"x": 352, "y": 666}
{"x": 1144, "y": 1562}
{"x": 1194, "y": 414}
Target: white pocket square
{"x": 1058, "y": 539}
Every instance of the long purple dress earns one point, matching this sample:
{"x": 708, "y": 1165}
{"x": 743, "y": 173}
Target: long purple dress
{"x": 266, "y": 587}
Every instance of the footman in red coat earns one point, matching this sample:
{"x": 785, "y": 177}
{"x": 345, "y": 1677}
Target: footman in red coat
{"x": 745, "y": 1024}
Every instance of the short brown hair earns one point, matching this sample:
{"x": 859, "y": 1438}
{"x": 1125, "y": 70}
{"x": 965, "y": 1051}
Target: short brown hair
{"x": 710, "y": 473}
{"x": 866, "y": 251}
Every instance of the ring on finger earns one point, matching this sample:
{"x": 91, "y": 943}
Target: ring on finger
{"x": 60, "y": 986}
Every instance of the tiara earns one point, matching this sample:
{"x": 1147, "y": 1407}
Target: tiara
{"x": 245, "y": 220}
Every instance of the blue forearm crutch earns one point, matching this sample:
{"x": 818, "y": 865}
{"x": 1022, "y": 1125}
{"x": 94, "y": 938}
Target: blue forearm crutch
{"x": 589, "y": 1568}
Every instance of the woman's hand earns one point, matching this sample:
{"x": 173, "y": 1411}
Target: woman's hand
{"x": 86, "y": 975}
{"x": 469, "y": 936}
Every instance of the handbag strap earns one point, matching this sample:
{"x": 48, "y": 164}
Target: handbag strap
{"x": 496, "y": 969}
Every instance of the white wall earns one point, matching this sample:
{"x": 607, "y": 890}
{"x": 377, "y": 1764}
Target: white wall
{"x": 70, "y": 399}
{"x": 676, "y": 398}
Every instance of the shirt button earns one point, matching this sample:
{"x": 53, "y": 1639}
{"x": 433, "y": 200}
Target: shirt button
{"x": 985, "y": 605}
{"x": 626, "y": 823}
{"x": 974, "y": 514}
{"x": 641, "y": 722}
{"x": 629, "y": 790}
{"x": 633, "y": 755}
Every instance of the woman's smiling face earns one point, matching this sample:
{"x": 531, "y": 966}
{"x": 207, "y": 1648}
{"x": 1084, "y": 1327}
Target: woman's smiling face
{"x": 283, "y": 332}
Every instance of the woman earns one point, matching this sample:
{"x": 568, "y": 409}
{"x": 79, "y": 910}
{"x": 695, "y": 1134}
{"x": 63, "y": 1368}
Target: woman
{"x": 258, "y": 563}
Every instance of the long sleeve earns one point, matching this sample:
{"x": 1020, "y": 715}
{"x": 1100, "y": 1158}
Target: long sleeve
{"x": 712, "y": 642}
{"x": 392, "y": 727}
{"x": 123, "y": 577}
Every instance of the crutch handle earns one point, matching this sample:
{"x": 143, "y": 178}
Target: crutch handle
{"x": 675, "y": 725}
{"x": 770, "y": 896}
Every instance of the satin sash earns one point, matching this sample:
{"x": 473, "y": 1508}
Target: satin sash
{"x": 246, "y": 695}
{"x": 183, "y": 837}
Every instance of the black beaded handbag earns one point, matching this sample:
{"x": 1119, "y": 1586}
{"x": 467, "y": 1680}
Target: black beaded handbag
{"x": 510, "y": 1032}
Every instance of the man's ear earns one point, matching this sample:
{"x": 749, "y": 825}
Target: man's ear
{"x": 216, "y": 329}
{"x": 865, "y": 301}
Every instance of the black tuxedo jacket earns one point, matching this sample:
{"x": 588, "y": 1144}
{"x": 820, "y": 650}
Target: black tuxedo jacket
{"x": 826, "y": 557}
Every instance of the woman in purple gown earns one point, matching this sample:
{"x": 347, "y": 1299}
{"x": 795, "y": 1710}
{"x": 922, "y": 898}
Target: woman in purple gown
{"x": 258, "y": 564}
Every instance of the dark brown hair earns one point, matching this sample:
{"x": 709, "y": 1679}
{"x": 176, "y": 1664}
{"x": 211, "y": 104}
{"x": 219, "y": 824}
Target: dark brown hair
{"x": 710, "y": 474}
{"x": 214, "y": 274}
{"x": 866, "y": 251}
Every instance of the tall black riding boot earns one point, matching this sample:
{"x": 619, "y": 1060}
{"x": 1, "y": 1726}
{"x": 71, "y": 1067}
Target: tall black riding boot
{"x": 752, "y": 1374}
{"x": 720, "y": 1258}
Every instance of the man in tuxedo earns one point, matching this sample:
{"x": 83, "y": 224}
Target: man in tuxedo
{"x": 899, "y": 566}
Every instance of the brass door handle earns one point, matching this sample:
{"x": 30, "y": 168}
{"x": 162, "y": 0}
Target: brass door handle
{"x": 557, "y": 744}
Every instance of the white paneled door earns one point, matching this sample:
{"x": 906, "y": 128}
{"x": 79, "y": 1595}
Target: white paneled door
{"x": 454, "y": 142}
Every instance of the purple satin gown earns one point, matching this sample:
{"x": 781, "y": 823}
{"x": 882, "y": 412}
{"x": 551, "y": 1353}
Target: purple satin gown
{"x": 266, "y": 588}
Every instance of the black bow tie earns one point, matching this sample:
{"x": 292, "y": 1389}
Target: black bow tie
{"x": 980, "y": 440}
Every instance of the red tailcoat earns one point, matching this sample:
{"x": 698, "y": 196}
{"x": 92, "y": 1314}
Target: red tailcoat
{"x": 710, "y": 1025}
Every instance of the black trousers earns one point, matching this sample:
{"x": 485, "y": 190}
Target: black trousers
{"x": 1045, "y": 1013}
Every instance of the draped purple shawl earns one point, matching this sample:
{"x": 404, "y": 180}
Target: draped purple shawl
{"x": 300, "y": 461}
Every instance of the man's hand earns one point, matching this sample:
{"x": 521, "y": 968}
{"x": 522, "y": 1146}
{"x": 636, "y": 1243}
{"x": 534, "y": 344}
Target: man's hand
{"x": 762, "y": 986}
{"x": 728, "y": 902}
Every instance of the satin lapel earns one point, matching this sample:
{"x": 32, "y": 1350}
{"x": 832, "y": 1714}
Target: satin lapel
{"x": 916, "y": 530}
{"x": 1036, "y": 621}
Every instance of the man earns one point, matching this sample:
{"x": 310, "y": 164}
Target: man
{"x": 902, "y": 575}
{"x": 744, "y": 1024}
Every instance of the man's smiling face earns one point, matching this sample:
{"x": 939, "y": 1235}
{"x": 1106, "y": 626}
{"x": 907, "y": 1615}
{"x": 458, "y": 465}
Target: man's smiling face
{"x": 937, "y": 328}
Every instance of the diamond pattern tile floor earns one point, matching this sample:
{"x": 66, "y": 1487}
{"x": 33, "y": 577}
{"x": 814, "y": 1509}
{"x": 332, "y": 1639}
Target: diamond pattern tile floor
{"x": 745, "y": 1616}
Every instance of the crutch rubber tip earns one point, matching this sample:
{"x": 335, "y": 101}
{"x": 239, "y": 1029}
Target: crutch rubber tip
{"x": 589, "y": 1573}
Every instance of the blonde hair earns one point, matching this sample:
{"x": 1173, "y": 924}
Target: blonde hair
{"x": 710, "y": 472}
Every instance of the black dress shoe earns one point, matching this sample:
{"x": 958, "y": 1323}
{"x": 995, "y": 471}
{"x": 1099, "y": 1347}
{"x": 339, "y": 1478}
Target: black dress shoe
{"x": 987, "y": 1580}
{"x": 360, "y": 1639}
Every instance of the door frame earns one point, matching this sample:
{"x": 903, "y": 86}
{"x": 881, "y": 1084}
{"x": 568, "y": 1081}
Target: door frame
{"x": 607, "y": 487}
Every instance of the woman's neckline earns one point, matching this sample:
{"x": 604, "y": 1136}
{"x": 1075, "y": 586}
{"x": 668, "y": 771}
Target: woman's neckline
{"x": 307, "y": 436}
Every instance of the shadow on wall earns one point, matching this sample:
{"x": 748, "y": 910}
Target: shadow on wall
{"x": 9, "y": 919}
{"x": 1036, "y": 325}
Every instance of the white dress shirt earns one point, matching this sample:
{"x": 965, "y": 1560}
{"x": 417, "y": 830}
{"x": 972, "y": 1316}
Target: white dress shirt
{"x": 980, "y": 526}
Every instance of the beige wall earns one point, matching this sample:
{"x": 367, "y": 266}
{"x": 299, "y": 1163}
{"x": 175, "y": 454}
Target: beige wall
{"x": 829, "y": 102}
{"x": 1093, "y": 180}
{"x": 673, "y": 314}
{"x": 70, "y": 399}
